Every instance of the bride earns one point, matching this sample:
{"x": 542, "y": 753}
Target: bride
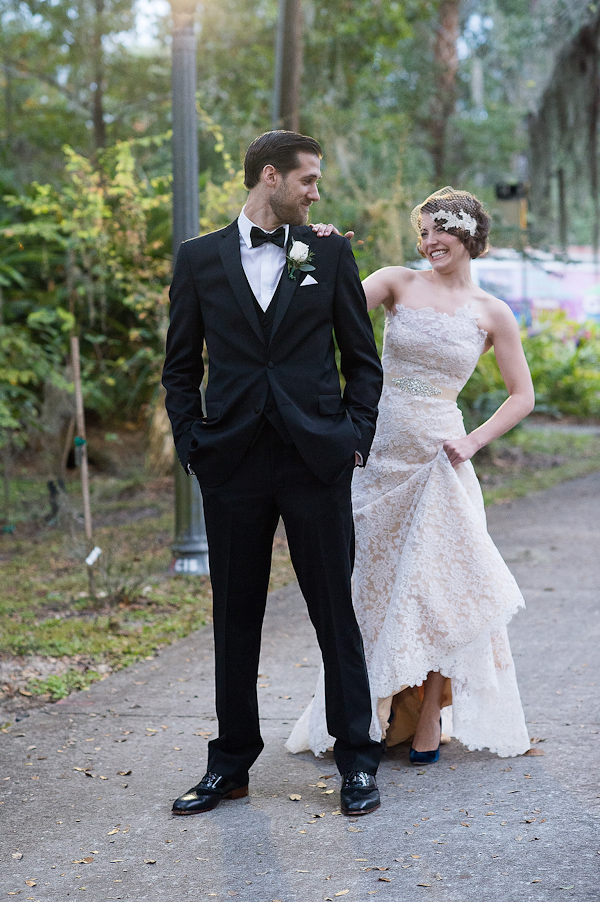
{"x": 432, "y": 594}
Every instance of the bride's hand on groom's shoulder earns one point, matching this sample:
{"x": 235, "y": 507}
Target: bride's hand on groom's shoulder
{"x": 322, "y": 230}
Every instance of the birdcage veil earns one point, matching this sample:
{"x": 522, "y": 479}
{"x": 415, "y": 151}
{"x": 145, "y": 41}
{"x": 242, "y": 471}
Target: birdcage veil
{"x": 453, "y": 209}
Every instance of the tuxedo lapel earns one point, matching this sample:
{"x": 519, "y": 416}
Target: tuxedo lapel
{"x": 286, "y": 290}
{"x": 229, "y": 250}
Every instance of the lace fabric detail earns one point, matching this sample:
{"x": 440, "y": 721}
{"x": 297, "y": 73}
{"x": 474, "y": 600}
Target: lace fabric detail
{"x": 431, "y": 591}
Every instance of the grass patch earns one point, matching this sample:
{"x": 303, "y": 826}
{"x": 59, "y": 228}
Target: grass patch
{"x": 60, "y": 685}
{"x": 532, "y": 459}
{"x": 46, "y": 613}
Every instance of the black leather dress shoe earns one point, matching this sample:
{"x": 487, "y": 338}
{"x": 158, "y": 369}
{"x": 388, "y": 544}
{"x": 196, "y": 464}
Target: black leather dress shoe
{"x": 359, "y": 793}
{"x": 207, "y": 794}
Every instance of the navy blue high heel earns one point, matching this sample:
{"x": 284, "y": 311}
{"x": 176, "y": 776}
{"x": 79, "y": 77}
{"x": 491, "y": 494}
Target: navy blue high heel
{"x": 426, "y": 757}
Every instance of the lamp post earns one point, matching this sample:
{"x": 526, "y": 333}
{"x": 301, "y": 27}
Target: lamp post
{"x": 190, "y": 547}
{"x": 285, "y": 110}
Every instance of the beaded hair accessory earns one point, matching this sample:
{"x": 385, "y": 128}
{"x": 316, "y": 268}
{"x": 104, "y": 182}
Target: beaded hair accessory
{"x": 448, "y": 207}
{"x": 460, "y": 220}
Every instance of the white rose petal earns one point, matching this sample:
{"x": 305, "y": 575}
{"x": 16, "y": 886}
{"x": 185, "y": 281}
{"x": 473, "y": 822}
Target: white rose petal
{"x": 299, "y": 252}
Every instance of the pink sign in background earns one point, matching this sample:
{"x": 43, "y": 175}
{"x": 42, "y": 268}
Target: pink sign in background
{"x": 540, "y": 282}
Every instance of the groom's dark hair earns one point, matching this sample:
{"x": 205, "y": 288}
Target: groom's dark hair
{"x": 279, "y": 149}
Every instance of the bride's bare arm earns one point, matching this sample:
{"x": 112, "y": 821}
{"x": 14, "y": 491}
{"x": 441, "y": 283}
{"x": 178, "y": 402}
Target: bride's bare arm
{"x": 506, "y": 340}
{"x": 385, "y": 286}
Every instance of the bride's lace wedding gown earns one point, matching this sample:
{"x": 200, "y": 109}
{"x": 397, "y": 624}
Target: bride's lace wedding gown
{"x": 431, "y": 591}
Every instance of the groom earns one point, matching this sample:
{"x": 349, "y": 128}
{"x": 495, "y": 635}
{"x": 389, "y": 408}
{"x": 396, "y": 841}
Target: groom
{"x": 278, "y": 439}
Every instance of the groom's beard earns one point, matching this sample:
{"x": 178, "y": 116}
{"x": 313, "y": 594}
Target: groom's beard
{"x": 286, "y": 209}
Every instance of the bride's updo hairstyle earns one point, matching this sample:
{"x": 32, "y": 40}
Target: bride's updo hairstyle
{"x": 458, "y": 213}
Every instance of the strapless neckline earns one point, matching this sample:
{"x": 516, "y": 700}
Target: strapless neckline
{"x": 431, "y": 310}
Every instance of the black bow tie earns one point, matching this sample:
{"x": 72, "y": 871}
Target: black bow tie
{"x": 258, "y": 237}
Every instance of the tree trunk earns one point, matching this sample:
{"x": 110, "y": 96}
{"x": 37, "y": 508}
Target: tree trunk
{"x": 6, "y": 460}
{"x": 160, "y": 453}
{"x": 288, "y": 66}
{"x": 99, "y": 78}
{"x": 593, "y": 122}
{"x": 446, "y": 68}
{"x": 8, "y": 106}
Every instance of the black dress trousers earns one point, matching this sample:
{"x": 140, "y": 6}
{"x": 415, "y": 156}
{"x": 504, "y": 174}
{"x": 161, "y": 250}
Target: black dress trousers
{"x": 241, "y": 517}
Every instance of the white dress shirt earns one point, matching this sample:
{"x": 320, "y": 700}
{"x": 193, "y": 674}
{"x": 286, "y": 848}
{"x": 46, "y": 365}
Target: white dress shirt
{"x": 263, "y": 265}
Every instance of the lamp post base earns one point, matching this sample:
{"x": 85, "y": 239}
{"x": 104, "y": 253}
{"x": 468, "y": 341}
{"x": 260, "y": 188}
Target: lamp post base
{"x": 196, "y": 564}
{"x": 190, "y": 548}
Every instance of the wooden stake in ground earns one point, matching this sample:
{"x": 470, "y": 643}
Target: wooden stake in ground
{"x": 81, "y": 443}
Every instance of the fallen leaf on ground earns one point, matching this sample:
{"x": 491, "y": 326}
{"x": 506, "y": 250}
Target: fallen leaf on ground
{"x": 354, "y": 830}
{"x": 423, "y": 884}
{"x": 30, "y": 883}
{"x": 385, "y": 879}
{"x": 149, "y": 860}
{"x": 342, "y": 892}
{"x": 123, "y": 773}
{"x": 535, "y": 753}
{"x": 88, "y": 860}
{"x": 327, "y": 792}
{"x": 17, "y": 855}
{"x": 112, "y": 832}
{"x": 295, "y": 797}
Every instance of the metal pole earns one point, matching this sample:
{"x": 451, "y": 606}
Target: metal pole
{"x": 276, "y": 121}
{"x": 190, "y": 547}
{"x": 285, "y": 111}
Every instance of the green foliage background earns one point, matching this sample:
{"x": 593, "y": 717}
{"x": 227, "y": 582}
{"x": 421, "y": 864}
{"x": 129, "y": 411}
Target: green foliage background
{"x": 85, "y": 233}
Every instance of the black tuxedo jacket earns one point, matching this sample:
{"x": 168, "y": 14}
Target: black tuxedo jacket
{"x": 211, "y": 299}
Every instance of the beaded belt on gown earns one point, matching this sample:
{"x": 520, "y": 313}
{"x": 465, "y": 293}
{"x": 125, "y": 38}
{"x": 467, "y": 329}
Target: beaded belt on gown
{"x": 415, "y": 386}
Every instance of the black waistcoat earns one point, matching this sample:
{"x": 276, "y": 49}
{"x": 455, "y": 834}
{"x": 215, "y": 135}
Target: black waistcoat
{"x": 266, "y": 319}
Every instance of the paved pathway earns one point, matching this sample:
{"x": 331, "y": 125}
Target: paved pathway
{"x": 87, "y": 783}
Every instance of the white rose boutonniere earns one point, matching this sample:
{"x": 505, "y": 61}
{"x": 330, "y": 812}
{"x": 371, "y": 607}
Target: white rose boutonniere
{"x": 298, "y": 258}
